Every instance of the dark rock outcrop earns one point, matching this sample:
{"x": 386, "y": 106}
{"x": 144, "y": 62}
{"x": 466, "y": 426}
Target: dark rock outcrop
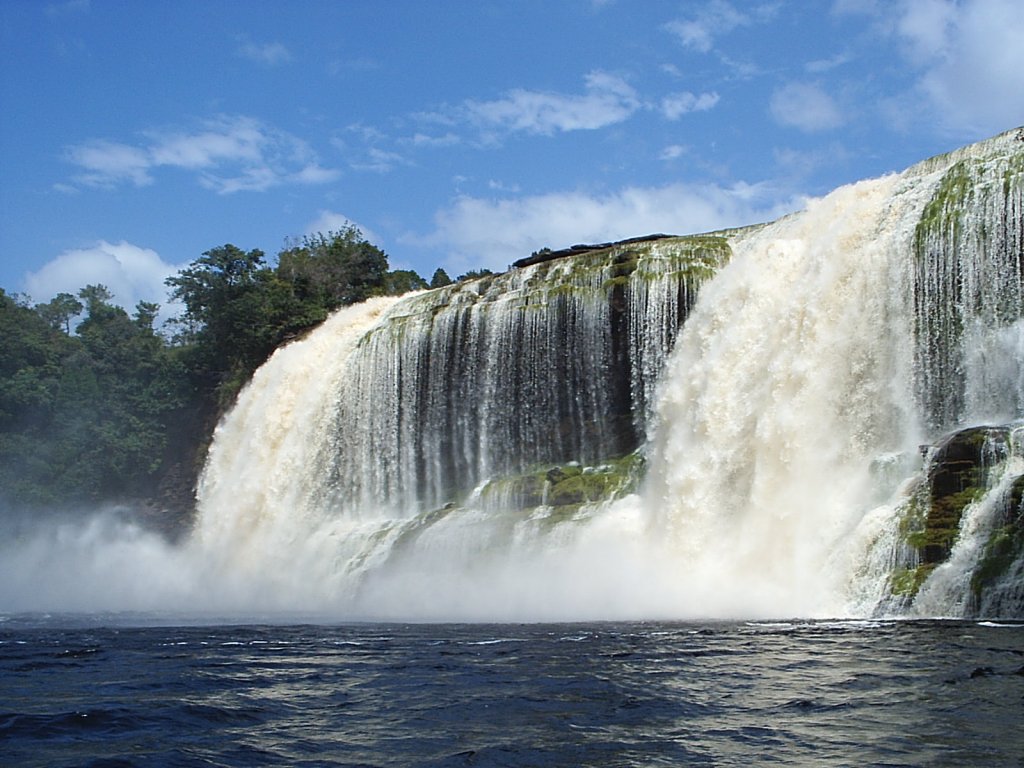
{"x": 546, "y": 254}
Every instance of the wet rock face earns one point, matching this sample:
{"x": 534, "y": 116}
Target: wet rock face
{"x": 957, "y": 477}
{"x": 966, "y": 467}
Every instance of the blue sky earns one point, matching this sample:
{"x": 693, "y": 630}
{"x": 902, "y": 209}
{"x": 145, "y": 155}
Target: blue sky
{"x": 136, "y": 134}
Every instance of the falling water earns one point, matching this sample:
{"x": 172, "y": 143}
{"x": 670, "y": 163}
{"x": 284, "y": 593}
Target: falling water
{"x": 444, "y": 461}
{"x": 438, "y": 456}
{"x": 820, "y": 416}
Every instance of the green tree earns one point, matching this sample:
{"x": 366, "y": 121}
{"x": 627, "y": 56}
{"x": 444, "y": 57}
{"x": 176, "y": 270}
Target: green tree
{"x": 59, "y": 311}
{"x": 145, "y": 315}
{"x": 399, "y": 281}
{"x": 237, "y": 311}
{"x": 29, "y": 365}
{"x": 335, "y": 269}
{"x": 473, "y": 274}
{"x": 85, "y": 417}
{"x": 440, "y": 279}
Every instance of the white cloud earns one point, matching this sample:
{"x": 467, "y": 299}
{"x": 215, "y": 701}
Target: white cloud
{"x": 108, "y": 163}
{"x": 824, "y": 65}
{"x": 493, "y": 233}
{"x": 716, "y": 18}
{"x": 500, "y": 186}
{"x": 673, "y": 151}
{"x": 607, "y": 100}
{"x": 228, "y": 153}
{"x": 423, "y": 140}
{"x": 224, "y": 141}
{"x": 379, "y": 161}
{"x": 805, "y": 106}
{"x": 270, "y": 54}
{"x": 970, "y": 58}
{"x": 676, "y": 105}
{"x": 315, "y": 174}
{"x": 925, "y": 26}
{"x": 132, "y": 274}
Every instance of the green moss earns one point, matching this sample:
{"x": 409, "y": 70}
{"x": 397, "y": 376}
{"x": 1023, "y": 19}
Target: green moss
{"x": 906, "y": 582}
{"x": 946, "y": 206}
{"x": 1013, "y": 176}
{"x": 615, "y": 282}
{"x": 581, "y": 488}
{"x": 565, "y": 488}
{"x": 517, "y": 490}
{"x": 931, "y": 525}
{"x": 1003, "y": 548}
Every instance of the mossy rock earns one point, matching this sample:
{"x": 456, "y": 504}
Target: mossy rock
{"x": 565, "y": 488}
{"x": 581, "y": 488}
{"x": 1004, "y": 547}
{"x": 1005, "y": 544}
{"x": 957, "y": 476}
{"x": 518, "y": 491}
{"x": 906, "y": 582}
{"x": 956, "y": 479}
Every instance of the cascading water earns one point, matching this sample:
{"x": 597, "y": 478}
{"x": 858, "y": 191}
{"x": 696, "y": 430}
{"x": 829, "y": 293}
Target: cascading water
{"x": 466, "y": 452}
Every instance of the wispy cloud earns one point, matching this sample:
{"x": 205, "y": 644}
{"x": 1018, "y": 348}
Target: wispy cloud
{"x": 228, "y": 154}
{"x": 819, "y": 66}
{"x": 698, "y": 31}
{"x": 380, "y": 161}
{"x": 108, "y": 163}
{"x": 606, "y": 100}
{"x": 269, "y": 54}
{"x": 496, "y": 232}
{"x": 425, "y": 140}
{"x": 673, "y": 152}
{"x": 676, "y": 105}
{"x": 805, "y": 106}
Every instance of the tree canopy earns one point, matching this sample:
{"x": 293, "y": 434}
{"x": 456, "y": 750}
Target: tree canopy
{"x": 97, "y": 404}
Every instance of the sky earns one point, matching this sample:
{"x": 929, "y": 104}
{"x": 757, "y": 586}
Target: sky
{"x": 463, "y": 134}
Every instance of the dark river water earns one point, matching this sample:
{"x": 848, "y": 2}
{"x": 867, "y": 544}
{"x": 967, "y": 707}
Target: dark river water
{"x": 153, "y": 691}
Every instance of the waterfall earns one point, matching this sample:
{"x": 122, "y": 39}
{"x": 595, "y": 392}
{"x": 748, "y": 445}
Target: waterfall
{"x": 969, "y": 291}
{"x": 545, "y": 365}
{"x": 717, "y": 425}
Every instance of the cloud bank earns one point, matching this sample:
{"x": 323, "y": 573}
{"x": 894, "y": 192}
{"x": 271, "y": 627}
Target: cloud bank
{"x": 971, "y": 59}
{"x": 132, "y": 274}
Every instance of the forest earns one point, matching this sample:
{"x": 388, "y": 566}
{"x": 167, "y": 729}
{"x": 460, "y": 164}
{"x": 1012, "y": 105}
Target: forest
{"x": 97, "y": 405}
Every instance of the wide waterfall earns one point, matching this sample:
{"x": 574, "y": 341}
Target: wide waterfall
{"x": 820, "y": 416}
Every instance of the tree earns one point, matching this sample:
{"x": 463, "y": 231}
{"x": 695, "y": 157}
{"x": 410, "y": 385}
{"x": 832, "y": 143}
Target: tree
{"x": 145, "y": 315}
{"x": 236, "y": 313}
{"x": 211, "y": 282}
{"x": 440, "y": 279}
{"x": 59, "y": 310}
{"x": 336, "y": 269}
{"x": 473, "y": 274}
{"x": 86, "y": 417}
{"x": 399, "y": 281}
